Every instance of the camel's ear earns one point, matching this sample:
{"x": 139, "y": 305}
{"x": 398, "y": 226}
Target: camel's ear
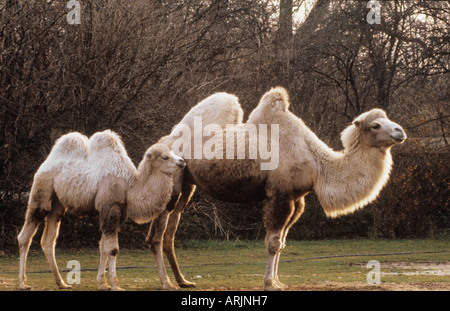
{"x": 153, "y": 154}
{"x": 357, "y": 123}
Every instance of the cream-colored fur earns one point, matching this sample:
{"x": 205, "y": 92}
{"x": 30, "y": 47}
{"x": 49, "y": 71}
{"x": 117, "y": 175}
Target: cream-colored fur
{"x": 343, "y": 180}
{"x": 96, "y": 176}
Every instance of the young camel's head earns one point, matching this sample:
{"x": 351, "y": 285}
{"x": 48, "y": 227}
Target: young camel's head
{"x": 160, "y": 157}
{"x": 373, "y": 129}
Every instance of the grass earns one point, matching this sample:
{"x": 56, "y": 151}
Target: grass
{"x": 240, "y": 265}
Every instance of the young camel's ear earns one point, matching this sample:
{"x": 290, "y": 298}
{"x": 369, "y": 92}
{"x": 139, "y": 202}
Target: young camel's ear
{"x": 152, "y": 155}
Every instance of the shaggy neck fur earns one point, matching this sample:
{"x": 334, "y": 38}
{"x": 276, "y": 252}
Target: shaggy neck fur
{"x": 148, "y": 193}
{"x": 350, "y": 179}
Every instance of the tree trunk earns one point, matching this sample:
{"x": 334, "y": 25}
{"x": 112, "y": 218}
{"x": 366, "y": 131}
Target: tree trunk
{"x": 285, "y": 20}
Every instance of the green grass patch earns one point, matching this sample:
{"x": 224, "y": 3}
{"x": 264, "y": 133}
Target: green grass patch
{"x": 240, "y": 265}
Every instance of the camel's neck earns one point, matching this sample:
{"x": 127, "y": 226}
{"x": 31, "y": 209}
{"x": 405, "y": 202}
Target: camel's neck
{"x": 349, "y": 180}
{"x": 149, "y": 193}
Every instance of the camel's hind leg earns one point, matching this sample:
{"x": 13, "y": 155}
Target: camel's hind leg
{"x": 48, "y": 240}
{"x": 278, "y": 213}
{"x": 169, "y": 236}
{"x": 24, "y": 238}
{"x": 37, "y": 210}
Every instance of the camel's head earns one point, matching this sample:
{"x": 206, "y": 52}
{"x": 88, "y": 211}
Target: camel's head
{"x": 160, "y": 157}
{"x": 375, "y": 129}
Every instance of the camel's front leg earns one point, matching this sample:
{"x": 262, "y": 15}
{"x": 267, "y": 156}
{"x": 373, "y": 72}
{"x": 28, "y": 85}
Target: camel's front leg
{"x": 278, "y": 212}
{"x": 169, "y": 236}
{"x": 154, "y": 240}
{"x": 274, "y": 247}
{"x": 111, "y": 216}
{"x": 101, "y": 279}
{"x": 110, "y": 250}
{"x": 299, "y": 206}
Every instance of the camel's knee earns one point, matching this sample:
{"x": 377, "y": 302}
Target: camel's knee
{"x": 28, "y": 230}
{"x": 114, "y": 251}
{"x": 153, "y": 243}
{"x": 274, "y": 244}
{"x": 109, "y": 244}
{"x": 24, "y": 240}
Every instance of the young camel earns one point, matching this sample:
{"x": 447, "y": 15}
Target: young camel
{"x": 90, "y": 177}
{"x": 343, "y": 181}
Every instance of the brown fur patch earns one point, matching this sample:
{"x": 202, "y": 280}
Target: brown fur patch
{"x": 111, "y": 219}
{"x": 39, "y": 214}
{"x": 278, "y": 211}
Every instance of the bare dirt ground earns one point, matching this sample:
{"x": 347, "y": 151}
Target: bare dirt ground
{"x": 400, "y": 268}
{"x": 394, "y": 268}
{"x": 355, "y": 286}
{"x": 360, "y": 286}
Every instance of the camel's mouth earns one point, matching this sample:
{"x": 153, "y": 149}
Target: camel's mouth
{"x": 398, "y": 139}
{"x": 181, "y": 164}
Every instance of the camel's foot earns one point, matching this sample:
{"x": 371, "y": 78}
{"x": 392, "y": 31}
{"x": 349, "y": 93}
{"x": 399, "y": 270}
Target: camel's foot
{"x": 104, "y": 287}
{"x": 273, "y": 285}
{"x": 63, "y": 285}
{"x": 281, "y": 285}
{"x": 187, "y": 284}
{"x": 117, "y": 289}
{"x": 25, "y": 287}
{"x": 170, "y": 286}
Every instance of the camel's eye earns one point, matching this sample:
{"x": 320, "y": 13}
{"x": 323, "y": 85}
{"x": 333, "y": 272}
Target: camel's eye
{"x": 376, "y": 126}
{"x": 165, "y": 158}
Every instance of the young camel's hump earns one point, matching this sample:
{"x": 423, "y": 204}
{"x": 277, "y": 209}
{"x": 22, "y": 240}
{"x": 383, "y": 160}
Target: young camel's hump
{"x": 78, "y": 177}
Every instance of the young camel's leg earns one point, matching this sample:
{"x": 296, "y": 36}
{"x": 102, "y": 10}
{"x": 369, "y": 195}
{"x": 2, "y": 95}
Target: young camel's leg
{"x": 169, "y": 236}
{"x": 162, "y": 232}
{"x": 37, "y": 210}
{"x": 277, "y": 214}
{"x": 298, "y": 211}
{"x": 154, "y": 241}
{"x": 48, "y": 240}
{"x": 110, "y": 221}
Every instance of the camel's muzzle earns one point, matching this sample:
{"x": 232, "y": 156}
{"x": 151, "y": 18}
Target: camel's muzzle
{"x": 181, "y": 164}
{"x": 398, "y": 136}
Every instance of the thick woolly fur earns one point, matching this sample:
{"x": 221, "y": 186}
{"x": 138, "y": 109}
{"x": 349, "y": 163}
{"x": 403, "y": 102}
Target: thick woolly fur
{"x": 77, "y": 166}
{"x": 343, "y": 181}
{"x": 95, "y": 176}
{"x": 219, "y": 108}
